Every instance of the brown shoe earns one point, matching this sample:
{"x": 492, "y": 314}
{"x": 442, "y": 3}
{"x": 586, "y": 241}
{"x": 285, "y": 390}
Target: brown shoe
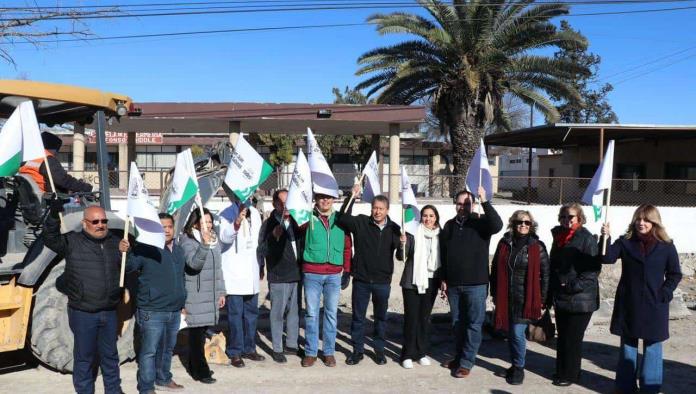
{"x": 330, "y": 361}
{"x": 309, "y": 361}
{"x": 171, "y": 386}
{"x": 450, "y": 364}
{"x": 237, "y": 362}
{"x": 461, "y": 373}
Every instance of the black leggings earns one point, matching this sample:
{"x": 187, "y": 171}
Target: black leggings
{"x": 417, "y": 308}
{"x": 197, "y": 364}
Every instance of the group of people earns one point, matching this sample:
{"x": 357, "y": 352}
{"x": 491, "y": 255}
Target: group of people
{"x": 203, "y": 270}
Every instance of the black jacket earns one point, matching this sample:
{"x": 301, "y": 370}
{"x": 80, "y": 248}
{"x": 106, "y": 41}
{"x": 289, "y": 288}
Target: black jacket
{"x": 464, "y": 247}
{"x": 64, "y": 182}
{"x": 517, "y": 275}
{"x": 92, "y": 267}
{"x": 374, "y": 248}
{"x": 641, "y": 307}
{"x": 282, "y": 264}
{"x": 407, "y": 276}
{"x": 574, "y": 273}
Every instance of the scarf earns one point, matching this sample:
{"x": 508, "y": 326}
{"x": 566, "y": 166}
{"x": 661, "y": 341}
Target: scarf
{"x": 646, "y": 243}
{"x": 532, "y": 296}
{"x": 565, "y": 235}
{"x": 197, "y": 237}
{"x": 426, "y": 256}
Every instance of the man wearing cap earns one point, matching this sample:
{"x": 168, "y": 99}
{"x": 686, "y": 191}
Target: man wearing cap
{"x": 326, "y": 255}
{"x": 36, "y": 169}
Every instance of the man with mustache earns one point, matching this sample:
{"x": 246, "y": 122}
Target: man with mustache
{"x": 90, "y": 280}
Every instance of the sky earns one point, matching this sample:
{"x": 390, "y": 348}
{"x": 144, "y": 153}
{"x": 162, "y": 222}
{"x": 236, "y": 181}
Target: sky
{"x": 649, "y": 57}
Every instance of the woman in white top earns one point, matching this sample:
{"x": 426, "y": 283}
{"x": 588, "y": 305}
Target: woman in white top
{"x": 420, "y": 283}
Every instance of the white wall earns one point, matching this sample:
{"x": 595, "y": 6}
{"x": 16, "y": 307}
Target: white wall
{"x": 677, "y": 220}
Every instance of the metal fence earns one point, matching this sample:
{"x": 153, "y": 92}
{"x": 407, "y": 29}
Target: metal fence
{"x": 507, "y": 189}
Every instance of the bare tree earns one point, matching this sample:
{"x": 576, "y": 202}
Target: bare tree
{"x": 34, "y": 24}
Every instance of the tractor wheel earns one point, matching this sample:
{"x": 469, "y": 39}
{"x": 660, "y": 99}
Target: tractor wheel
{"x": 51, "y": 337}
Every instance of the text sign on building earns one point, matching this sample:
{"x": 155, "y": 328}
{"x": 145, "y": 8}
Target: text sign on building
{"x": 115, "y": 138}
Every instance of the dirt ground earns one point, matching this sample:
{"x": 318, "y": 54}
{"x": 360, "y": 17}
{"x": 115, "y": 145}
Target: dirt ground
{"x": 600, "y": 355}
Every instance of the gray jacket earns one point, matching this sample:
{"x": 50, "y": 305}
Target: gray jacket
{"x": 205, "y": 286}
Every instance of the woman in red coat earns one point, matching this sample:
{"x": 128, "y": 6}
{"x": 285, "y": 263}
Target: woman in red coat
{"x": 649, "y": 274}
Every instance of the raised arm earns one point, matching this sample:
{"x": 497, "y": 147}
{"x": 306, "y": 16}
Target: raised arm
{"x": 52, "y": 237}
{"x": 195, "y": 254}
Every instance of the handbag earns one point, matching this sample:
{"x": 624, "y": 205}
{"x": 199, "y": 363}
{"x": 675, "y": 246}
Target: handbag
{"x": 543, "y": 329}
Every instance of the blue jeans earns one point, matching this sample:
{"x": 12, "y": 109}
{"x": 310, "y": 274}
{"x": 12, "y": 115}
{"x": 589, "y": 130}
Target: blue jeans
{"x": 242, "y": 313}
{"x": 380, "y": 301}
{"x": 95, "y": 333}
{"x": 314, "y": 286}
{"x": 158, "y": 331}
{"x": 468, "y": 308}
{"x": 650, "y": 375}
{"x": 517, "y": 342}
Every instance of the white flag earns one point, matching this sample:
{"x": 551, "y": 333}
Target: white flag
{"x": 144, "y": 215}
{"x": 247, "y": 170}
{"x": 480, "y": 174}
{"x": 409, "y": 204}
{"x": 372, "y": 187}
{"x": 184, "y": 182}
{"x": 322, "y": 177}
{"x": 20, "y": 139}
{"x": 299, "y": 201}
{"x": 601, "y": 181}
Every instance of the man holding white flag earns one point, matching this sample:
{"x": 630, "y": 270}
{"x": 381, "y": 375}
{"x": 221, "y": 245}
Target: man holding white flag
{"x": 601, "y": 183}
{"x": 479, "y": 174}
{"x": 322, "y": 177}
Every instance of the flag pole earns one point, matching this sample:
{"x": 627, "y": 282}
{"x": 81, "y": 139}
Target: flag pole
{"x": 403, "y": 229}
{"x": 606, "y": 220}
{"x": 360, "y": 180}
{"x": 478, "y": 206}
{"x": 53, "y": 187}
{"x": 123, "y": 254}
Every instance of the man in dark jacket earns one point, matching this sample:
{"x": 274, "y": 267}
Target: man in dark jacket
{"x": 90, "y": 280}
{"x": 279, "y": 244}
{"x": 36, "y": 169}
{"x": 376, "y": 238}
{"x": 464, "y": 243}
{"x": 161, "y": 297}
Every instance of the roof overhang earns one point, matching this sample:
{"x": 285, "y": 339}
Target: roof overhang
{"x": 187, "y": 118}
{"x": 57, "y": 103}
{"x": 567, "y": 135}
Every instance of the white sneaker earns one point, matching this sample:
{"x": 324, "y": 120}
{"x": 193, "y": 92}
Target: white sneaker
{"x": 408, "y": 364}
{"x": 424, "y": 361}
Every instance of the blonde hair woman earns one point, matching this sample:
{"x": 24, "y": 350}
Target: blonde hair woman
{"x": 649, "y": 274}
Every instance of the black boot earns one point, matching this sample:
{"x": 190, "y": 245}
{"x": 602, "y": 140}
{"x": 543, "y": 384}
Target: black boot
{"x": 516, "y": 376}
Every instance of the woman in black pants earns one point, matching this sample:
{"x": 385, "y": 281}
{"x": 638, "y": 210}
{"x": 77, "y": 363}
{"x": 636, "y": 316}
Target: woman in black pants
{"x": 574, "y": 289}
{"x": 420, "y": 284}
{"x": 205, "y": 290}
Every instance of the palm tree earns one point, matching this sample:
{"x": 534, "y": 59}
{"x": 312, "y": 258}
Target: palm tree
{"x": 465, "y": 58}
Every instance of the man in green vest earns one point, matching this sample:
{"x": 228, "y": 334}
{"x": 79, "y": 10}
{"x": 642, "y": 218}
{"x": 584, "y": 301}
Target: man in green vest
{"x": 326, "y": 256}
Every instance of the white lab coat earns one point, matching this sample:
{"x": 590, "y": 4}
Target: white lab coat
{"x": 240, "y": 262}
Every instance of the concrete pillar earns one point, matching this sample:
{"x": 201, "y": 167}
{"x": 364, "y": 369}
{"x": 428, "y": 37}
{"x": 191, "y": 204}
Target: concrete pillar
{"x": 235, "y": 127}
{"x": 123, "y": 166}
{"x": 436, "y": 181}
{"x": 394, "y": 155}
{"x": 78, "y": 148}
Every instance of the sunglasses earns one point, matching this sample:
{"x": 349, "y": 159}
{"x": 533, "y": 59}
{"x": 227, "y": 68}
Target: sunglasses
{"x": 521, "y": 222}
{"x": 563, "y": 217}
{"x": 97, "y": 221}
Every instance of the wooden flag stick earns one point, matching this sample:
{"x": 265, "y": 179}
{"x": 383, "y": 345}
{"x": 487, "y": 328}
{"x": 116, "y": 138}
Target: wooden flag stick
{"x": 53, "y": 187}
{"x": 123, "y": 254}
{"x": 606, "y": 220}
{"x": 360, "y": 180}
{"x": 403, "y": 228}
{"x": 478, "y": 206}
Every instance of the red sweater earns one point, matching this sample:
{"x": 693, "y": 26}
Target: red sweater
{"x": 328, "y": 268}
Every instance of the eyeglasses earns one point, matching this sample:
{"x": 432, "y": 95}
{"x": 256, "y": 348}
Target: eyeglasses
{"x": 521, "y": 222}
{"x": 564, "y": 217}
{"x": 97, "y": 221}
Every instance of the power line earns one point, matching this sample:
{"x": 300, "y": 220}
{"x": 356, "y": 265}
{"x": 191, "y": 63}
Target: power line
{"x": 256, "y": 9}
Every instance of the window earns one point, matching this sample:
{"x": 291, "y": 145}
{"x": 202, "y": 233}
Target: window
{"x": 586, "y": 171}
{"x": 680, "y": 171}
{"x": 155, "y": 157}
{"x": 552, "y": 173}
{"x": 629, "y": 175}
